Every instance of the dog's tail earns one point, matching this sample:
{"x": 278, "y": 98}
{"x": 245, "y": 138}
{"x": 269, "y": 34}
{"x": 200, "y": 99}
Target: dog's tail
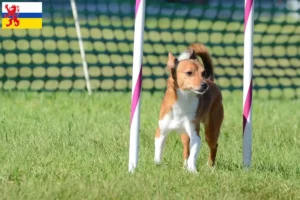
{"x": 201, "y": 50}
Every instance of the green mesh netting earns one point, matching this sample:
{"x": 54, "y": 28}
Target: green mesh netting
{"x": 49, "y": 59}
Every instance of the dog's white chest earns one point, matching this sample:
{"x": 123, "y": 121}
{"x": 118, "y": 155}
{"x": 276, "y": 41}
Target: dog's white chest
{"x": 182, "y": 114}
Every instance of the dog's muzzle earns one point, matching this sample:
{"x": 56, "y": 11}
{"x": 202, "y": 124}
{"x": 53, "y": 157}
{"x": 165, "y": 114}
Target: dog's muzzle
{"x": 203, "y": 88}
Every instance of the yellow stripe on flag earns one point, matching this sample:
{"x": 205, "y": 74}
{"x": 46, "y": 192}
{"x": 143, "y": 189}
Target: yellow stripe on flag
{"x": 25, "y": 23}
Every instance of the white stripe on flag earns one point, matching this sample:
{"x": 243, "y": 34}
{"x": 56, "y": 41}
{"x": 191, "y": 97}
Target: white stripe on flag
{"x": 25, "y": 7}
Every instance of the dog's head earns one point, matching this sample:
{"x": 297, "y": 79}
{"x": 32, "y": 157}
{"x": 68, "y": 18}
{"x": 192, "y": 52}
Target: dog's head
{"x": 187, "y": 72}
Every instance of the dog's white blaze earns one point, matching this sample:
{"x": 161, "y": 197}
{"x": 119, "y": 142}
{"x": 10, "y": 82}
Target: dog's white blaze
{"x": 184, "y": 55}
{"x": 180, "y": 119}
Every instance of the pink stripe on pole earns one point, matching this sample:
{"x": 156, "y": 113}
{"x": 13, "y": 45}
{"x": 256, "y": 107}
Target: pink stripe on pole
{"x": 247, "y": 89}
{"x": 248, "y": 7}
{"x": 248, "y": 101}
{"x": 137, "y": 5}
{"x": 247, "y": 106}
{"x": 138, "y": 84}
{"x": 136, "y": 94}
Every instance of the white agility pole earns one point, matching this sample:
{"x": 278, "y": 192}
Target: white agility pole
{"x": 136, "y": 84}
{"x": 82, "y": 52}
{"x": 247, "y": 85}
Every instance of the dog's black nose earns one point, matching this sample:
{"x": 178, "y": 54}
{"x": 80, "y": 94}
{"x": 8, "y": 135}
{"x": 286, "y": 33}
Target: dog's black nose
{"x": 204, "y": 86}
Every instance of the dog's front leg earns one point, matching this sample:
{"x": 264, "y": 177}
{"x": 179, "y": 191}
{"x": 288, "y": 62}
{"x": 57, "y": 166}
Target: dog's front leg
{"x": 160, "y": 137}
{"x": 160, "y": 140}
{"x": 195, "y": 143}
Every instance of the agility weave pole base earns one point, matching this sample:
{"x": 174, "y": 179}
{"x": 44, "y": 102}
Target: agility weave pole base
{"x": 247, "y": 82}
{"x": 136, "y": 84}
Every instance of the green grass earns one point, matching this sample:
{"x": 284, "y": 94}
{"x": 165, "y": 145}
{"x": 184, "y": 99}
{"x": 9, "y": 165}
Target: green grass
{"x": 71, "y": 146}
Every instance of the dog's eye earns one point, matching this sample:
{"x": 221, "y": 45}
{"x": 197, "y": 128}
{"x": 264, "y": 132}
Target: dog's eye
{"x": 189, "y": 73}
{"x": 203, "y": 73}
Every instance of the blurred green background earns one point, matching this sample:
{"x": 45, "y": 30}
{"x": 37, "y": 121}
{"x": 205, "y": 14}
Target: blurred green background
{"x": 49, "y": 59}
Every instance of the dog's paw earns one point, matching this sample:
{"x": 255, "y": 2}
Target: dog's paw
{"x": 192, "y": 169}
{"x": 211, "y": 164}
{"x": 185, "y": 164}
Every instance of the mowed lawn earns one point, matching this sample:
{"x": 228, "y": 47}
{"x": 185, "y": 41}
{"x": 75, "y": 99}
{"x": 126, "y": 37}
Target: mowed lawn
{"x": 72, "y": 146}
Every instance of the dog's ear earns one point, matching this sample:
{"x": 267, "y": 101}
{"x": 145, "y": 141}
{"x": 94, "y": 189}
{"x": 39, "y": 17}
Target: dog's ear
{"x": 192, "y": 53}
{"x": 171, "y": 61}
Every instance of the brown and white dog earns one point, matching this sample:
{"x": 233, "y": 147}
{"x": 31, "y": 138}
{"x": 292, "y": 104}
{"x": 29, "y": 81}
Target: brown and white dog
{"x": 191, "y": 97}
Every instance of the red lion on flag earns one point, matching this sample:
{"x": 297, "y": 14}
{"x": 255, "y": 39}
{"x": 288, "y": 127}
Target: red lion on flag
{"x": 12, "y": 13}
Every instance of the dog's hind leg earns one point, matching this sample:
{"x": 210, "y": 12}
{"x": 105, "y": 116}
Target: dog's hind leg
{"x": 160, "y": 140}
{"x": 212, "y": 132}
{"x": 213, "y": 146}
{"x": 185, "y": 139}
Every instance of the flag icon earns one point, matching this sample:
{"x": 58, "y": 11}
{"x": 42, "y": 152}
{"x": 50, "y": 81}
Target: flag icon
{"x": 22, "y": 15}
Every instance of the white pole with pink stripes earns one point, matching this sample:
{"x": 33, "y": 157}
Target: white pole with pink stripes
{"x": 136, "y": 84}
{"x": 247, "y": 85}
